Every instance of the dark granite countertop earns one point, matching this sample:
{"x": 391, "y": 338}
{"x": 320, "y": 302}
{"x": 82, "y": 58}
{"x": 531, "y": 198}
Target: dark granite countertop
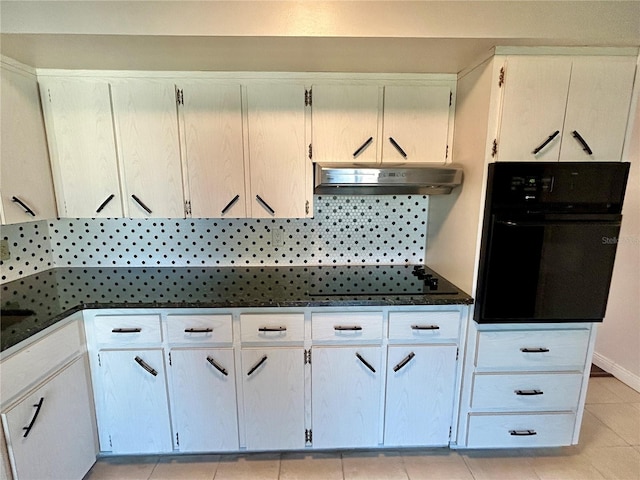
{"x": 33, "y": 303}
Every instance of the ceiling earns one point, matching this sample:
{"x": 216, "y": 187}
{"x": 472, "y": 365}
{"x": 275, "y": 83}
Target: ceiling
{"x": 321, "y": 36}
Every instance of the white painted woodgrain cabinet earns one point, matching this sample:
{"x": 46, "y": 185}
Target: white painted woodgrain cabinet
{"x": 26, "y": 186}
{"x": 82, "y": 146}
{"x": 564, "y": 108}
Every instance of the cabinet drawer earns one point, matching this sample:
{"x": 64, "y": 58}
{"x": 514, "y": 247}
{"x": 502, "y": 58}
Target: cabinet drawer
{"x": 199, "y": 329}
{"x": 424, "y": 326}
{"x": 518, "y": 431}
{"x": 127, "y": 329}
{"x": 536, "y": 350}
{"x": 283, "y": 328}
{"x": 346, "y": 327}
{"x": 530, "y": 391}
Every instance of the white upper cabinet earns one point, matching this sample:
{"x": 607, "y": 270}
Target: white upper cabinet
{"x": 565, "y": 108}
{"x": 280, "y": 185}
{"x": 25, "y": 175}
{"x": 83, "y": 148}
{"x": 149, "y": 148}
{"x": 211, "y": 123}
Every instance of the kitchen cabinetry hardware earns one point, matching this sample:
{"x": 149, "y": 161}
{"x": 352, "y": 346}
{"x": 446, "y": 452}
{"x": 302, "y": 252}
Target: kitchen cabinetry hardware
{"x": 546, "y": 142}
{"x": 529, "y": 392}
{"x": 217, "y": 366}
{"x": 23, "y": 205}
{"x": 198, "y": 330}
{"x": 365, "y": 363}
{"x": 404, "y": 361}
{"x": 272, "y": 329}
{"x": 363, "y": 147}
{"x": 347, "y": 328}
{"x": 265, "y": 205}
{"x": 425, "y": 327}
{"x": 230, "y": 204}
{"x": 126, "y": 330}
{"x": 398, "y": 147}
{"x": 534, "y": 350}
{"x": 28, "y": 428}
{"x": 257, "y": 365}
{"x": 104, "y": 204}
{"x": 582, "y": 141}
{"x": 139, "y": 202}
{"x": 146, "y": 366}
{"x": 522, "y": 433}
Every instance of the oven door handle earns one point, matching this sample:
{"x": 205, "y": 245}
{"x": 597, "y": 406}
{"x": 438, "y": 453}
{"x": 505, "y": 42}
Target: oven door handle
{"x": 555, "y": 222}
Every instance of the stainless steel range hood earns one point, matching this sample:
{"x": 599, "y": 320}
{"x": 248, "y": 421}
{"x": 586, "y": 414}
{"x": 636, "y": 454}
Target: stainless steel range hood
{"x": 376, "y": 179}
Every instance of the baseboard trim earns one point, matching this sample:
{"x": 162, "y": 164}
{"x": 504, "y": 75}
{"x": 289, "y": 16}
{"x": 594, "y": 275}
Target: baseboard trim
{"x": 622, "y": 374}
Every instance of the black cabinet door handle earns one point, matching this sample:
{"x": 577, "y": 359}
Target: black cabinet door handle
{"x": 582, "y": 142}
{"x": 24, "y": 206}
{"x": 272, "y": 329}
{"x": 363, "y": 147}
{"x": 230, "y": 204}
{"x": 198, "y": 330}
{"x": 398, "y": 147}
{"x": 365, "y": 363}
{"x": 28, "y": 428}
{"x": 265, "y": 205}
{"x": 534, "y": 350}
{"x": 126, "y": 330}
{"x": 257, "y": 365}
{"x": 546, "y": 142}
{"x": 146, "y": 366}
{"x": 104, "y": 204}
{"x": 529, "y": 392}
{"x": 522, "y": 433}
{"x": 217, "y": 366}
{"x": 342, "y": 328}
{"x": 404, "y": 361}
{"x": 425, "y": 327}
{"x": 139, "y": 202}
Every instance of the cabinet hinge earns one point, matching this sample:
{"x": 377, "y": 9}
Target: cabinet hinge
{"x": 308, "y": 436}
{"x": 178, "y": 438}
{"x": 501, "y": 77}
{"x": 180, "y": 96}
{"x": 310, "y": 152}
{"x": 306, "y": 207}
{"x": 494, "y": 148}
{"x": 450, "y": 98}
{"x": 187, "y": 208}
{"x": 99, "y": 362}
{"x": 49, "y": 94}
{"x": 307, "y": 357}
{"x": 170, "y": 364}
{"x": 110, "y": 444}
{"x": 308, "y": 97}
{"x": 450, "y": 433}
{"x": 457, "y": 353}
{"x": 446, "y": 153}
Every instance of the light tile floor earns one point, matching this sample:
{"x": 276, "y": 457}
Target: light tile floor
{"x": 609, "y": 448}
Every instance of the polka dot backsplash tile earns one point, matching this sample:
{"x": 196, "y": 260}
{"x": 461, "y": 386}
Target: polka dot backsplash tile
{"x": 345, "y": 230}
{"x": 29, "y": 250}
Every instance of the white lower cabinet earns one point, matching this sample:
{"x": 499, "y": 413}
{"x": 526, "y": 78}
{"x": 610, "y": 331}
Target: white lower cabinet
{"x": 50, "y": 432}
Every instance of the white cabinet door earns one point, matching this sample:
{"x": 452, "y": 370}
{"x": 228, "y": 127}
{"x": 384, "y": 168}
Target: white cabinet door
{"x": 598, "y": 108}
{"x": 420, "y": 395}
{"x": 212, "y": 129}
{"x": 134, "y": 413}
{"x": 147, "y": 131}
{"x": 25, "y": 174}
{"x": 346, "y": 388}
{"x": 83, "y": 147}
{"x": 51, "y": 431}
{"x": 273, "y": 394}
{"x": 279, "y": 166}
{"x": 416, "y": 123}
{"x": 204, "y": 399}
{"x": 345, "y": 123}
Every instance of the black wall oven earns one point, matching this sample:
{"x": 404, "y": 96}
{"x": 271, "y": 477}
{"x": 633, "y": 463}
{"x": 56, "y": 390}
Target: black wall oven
{"x": 549, "y": 240}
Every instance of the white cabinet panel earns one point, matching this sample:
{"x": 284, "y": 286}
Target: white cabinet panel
{"x": 346, "y": 327}
{"x": 279, "y": 328}
{"x": 121, "y": 330}
{"x": 424, "y": 327}
{"x": 199, "y": 329}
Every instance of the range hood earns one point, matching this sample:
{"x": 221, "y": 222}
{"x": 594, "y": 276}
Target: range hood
{"x": 377, "y": 179}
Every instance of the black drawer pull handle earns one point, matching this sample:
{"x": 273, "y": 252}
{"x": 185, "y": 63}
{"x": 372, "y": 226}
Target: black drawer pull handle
{"x": 522, "y": 433}
{"x": 126, "y": 330}
{"x": 528, "y": 392}
{"x": 534, "y": 350}
{"x": 217, "y": 366}
{"x": 398, "y": 147}
{"x": 582, "y": 141}
{"x": 546, "y": 142}
{"x": 28, "y": 428}
{"x": 139, "y": 202}
{"x": 363, "y": 147}
{"x": 404, "y": 361}
{"x": 198, "y": 330}
{"x": 230, "y": 204}
{"x": 343, "y": 328}
{"x": 272, "y": 329}
{"x": 24, "y": 206}
{"x": 104, "y": 204}
{"x": 257, "y": 365}
{"x": 265, "y": 205}
{"x": 146, "y": 366}
{"x": 365, "y": 363}
{"x": 425, "y": 327}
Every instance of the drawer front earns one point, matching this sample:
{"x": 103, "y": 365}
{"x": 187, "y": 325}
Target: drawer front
{"x": 536, "y": 350}
{"x": 520, "y": 431}
{"x": 127, "y": 329}
{"x": 346, "y": 327}
{"x": 529, "y": 391}
{"x": 199, "y": 329}
{"x": 283, "y": 328}
{"x": 424, "y": 326}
